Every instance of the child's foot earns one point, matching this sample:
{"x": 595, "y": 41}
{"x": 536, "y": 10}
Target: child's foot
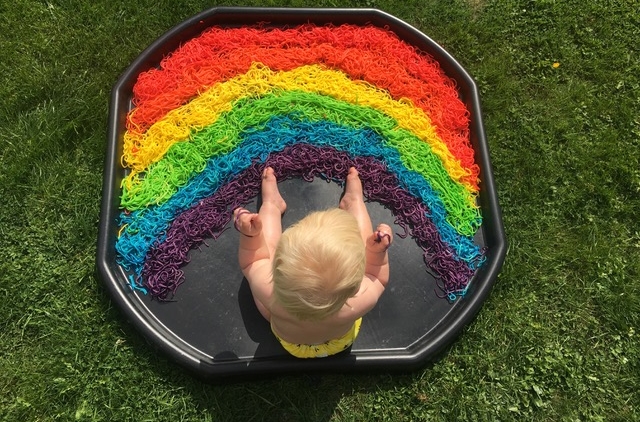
{"x": 353, "y": 191}
{"x": 270, "y": 192}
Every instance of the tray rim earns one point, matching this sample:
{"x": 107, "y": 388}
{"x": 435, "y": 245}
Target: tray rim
{"x": 201, "y": 364}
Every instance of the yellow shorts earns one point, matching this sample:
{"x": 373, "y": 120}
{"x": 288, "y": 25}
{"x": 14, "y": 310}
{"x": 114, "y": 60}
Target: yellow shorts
{"x": 325, "y": 349}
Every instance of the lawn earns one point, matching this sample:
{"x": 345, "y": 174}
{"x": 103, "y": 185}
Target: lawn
{"x": 559, "y": 337}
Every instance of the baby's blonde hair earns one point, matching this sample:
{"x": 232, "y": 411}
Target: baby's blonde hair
{"x": 318, "y": 264}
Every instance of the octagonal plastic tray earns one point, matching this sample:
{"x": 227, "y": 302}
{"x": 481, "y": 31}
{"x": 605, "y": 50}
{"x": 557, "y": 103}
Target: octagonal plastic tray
{"x": 212, "y": 327}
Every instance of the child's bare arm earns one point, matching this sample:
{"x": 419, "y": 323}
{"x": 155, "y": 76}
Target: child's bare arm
{"x": 252, "y": 247}
{"x": 253, "y": 255}
{"x": 377, "y": 258}
{"x": 365, "y": 299}
{"x": 376, "y": 272}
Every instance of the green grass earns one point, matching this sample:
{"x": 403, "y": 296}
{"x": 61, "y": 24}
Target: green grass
{"x": 559, "y": 338}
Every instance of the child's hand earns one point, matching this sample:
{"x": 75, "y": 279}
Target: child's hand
{"x": 247, "y": 223}
{"x": 381, "y": 239}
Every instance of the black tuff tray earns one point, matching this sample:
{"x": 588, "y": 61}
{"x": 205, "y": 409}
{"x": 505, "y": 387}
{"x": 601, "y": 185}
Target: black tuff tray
{"x": 213, "y": 327}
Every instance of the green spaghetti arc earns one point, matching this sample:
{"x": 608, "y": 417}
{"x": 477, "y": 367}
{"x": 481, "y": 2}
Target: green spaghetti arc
{"x": 184, "y": 159}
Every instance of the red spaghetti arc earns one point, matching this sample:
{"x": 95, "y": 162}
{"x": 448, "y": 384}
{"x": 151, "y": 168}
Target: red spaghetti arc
{"x": 371, "y": 54}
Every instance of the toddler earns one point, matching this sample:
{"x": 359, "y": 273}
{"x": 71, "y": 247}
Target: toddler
{"x": 315, "y": 281}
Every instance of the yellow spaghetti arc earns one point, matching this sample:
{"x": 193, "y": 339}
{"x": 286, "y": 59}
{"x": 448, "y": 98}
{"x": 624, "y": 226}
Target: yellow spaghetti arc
{"x": 141, "y": 150}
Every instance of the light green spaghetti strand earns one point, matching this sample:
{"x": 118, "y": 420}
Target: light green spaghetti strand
{"x": 164, "y": 177}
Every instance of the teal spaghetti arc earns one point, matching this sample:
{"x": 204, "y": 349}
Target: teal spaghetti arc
{"x": 144, "y": 228}
{"x": 209, "y": 217}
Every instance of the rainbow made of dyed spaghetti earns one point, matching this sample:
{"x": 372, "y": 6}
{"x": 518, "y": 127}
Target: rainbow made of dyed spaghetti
{"x": 309, "y": 101}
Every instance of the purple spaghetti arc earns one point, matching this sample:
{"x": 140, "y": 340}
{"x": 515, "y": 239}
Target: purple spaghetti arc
{"x": 209, "y": 218}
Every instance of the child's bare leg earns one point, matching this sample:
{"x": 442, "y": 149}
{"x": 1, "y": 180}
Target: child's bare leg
{"x": 353, "y": 202}
{"x": 271, "y": 210}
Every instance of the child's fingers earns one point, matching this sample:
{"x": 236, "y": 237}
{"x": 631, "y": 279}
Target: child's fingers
{"x": 237, "y": 213}
{"x": 384, "y": 238}
{"x": 255, "y": 223}
{"x": 246, "y": 222}
{"x": 381, "y": 239}
{"x": 384, "y": 235}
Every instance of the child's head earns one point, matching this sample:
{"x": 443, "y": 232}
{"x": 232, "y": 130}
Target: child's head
{"x": 318, "y": 264}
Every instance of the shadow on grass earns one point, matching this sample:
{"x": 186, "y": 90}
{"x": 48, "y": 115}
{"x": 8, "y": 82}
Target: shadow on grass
{"x": 287, "y": 397}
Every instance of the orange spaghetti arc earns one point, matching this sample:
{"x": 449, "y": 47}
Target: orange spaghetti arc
{"x": 204, "y": 110}
{"x": 368, "y": 53}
